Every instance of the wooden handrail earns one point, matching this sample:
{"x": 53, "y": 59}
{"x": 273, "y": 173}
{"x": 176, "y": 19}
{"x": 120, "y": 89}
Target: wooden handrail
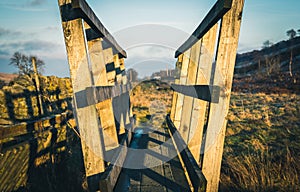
{"x": 80, "y": 9}
{"x": 194, "y": 173}
{"x": 220, "y": 8}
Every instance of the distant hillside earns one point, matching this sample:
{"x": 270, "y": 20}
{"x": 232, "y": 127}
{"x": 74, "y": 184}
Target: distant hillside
{"x": 7, "y": 77}
{"x": 273, "y": 59}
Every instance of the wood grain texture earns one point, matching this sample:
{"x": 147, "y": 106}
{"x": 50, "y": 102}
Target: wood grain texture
{"x": 226, "y": 56}
{"x": 182, "y": 81}
{"x": 193, "y": 172}
{"x": 87, "y": 118}
{"x": 90, "y": 17}
{"x": 184, "y": 127}
{"x": 104, "y": 107}
{"x": 175, "y": 94}
{"x": 214, "y": 15}
{"x": 109, "y": 60}
{"x": 199, "y": 106}
{"x": 117, "y": 67}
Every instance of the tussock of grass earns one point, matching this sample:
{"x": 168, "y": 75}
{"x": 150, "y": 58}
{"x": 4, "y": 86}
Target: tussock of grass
{"x": 262, "y": 147}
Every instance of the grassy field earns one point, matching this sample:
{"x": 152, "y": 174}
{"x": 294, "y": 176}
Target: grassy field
{"x": 262, "y": 148}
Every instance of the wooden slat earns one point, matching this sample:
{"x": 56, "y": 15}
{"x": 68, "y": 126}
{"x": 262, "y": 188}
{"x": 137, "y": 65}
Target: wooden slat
{"x": 97, "y": 61}
{"x": 226, "y": 56}
{"x": 90, "y": 17}
{"x": 194, "y": 174}
{"x": 184, "y": 127}
{"x": 110, "y": 176}
{"x": 110, "y": 66}
{"x": 200, "y": 106}
{"x": 182, "y": 81}
{"x": 87, "y": 118}
{"x": 104, "y": 107}
{"x": 214, "y": 15}
{"x": 175, "y": 94}
{"x": 122, "y": 68}
{"x": 117, "y": 68}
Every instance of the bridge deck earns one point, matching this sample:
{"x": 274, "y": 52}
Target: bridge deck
{"x": 152, "y": 163}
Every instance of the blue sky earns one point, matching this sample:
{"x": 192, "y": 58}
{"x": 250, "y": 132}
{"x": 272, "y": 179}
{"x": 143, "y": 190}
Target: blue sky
{"x": 33, "y": 27}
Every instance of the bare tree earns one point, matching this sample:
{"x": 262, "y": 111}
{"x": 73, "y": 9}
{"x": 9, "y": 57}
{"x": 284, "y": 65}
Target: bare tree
{"x": 24, "y": 63}
{"x": 272, "y": 64}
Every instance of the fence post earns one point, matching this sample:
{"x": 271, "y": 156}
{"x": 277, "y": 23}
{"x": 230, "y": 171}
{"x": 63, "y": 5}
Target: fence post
{"x": 226, "y": 55}
{"x": 37, "y": 85}
{"x": 86, "y": 117}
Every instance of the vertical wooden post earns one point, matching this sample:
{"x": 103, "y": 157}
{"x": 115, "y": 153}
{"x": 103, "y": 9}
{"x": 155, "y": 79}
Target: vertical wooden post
{"x": 37, "y": 86}
{"x": 184, "y": 128}
{"x": 109, "y": 62}
{"x": 104, "y": 108}
{"x": 118, "y": 68}
{"x": 125, "y": 98}
{"x": 203, "y": 78}
{"x": 175, "y": 94}
{"x": 122, "y": 68}
{"x": 182, "y": 81}
{"x": 87, "y": 119}
{"x": 119, "y": 106}
{"x": 226, "y": 55}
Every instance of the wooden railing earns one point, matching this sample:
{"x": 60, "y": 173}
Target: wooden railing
{"x": 101, "y": 92}
{"x": 29, "y": 147}
{"x": 202, "y": 92}
{"x": 200, "y": 101}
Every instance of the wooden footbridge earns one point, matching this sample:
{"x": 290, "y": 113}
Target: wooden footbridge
{"x": 183, "y": 155}
{"x": 196, "y": 125}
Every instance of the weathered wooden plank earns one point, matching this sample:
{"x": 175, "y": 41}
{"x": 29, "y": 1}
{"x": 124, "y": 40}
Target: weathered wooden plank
{"x": 226, "y": 56}
{"x": 203, "y": 92}
{"x": 104, "y": 108}
{"x": 194, "y": 174}
{"x": 22, "y": 129}
{"x": 87, "y": 118}
{"x": 117, "y": 68}
{"x": 122, "y": 68}
{"x": 110, "y": 176}
{"x": 182, "y": 81}
{"x": 97, "y": 62}
{"x": 220, "y": 8}
{"x": 110, "y": 66}
{"x": 200, "y": 106}
{"x": 184, "y": 127}
{"x": 37, "y": 85}
{"x": 90, "y": 17}
{"x": 175, "y": 94}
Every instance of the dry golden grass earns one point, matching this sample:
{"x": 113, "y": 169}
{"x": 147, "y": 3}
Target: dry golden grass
{"x": 262, "y": 148}
{"x": 145, "y": 95}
